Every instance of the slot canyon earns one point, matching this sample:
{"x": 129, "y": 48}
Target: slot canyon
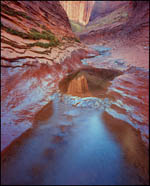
{"x": 74, "y": 92}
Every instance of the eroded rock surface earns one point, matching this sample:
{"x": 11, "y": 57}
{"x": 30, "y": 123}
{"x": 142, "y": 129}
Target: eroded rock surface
{"x": 38, "y": 48}
{"x": 103, "y": 8}
{"x": 60, "y": 96}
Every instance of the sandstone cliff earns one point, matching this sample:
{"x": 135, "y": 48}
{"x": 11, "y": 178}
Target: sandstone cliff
{"x": 32, "y": 29}
{"x": 78, "y": 11}
{"x": 103, "y": 8}
{"x": 121, "y": 20}
{"x": 125, "y": 29}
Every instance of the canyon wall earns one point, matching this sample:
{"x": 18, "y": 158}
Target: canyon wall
{"x": 78, "y": 11}
{"x": 103, "y": 8}
{"x": 38, "y": 48}
{"x": 125, "y": 29}
{"x": 121, "y": 20}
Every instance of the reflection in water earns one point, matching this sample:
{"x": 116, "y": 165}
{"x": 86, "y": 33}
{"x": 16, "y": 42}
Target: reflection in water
{"x": 76, "y": 146}
{"x": 130, "y": 141}
{"x": 88, "y": 82}
{"x": 80, "y": 140}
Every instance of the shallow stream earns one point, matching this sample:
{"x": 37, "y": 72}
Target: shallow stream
{"x": 88, "y": 140}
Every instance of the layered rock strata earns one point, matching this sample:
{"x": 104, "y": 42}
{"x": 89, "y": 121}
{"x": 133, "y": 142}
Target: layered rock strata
{"x": 125, "y": 30}
{"x": 127, "y": 21}
{"x": 38, "y": 49}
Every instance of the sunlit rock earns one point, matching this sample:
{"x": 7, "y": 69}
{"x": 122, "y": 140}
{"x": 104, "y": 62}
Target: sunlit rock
{"x": 78, "y": 11}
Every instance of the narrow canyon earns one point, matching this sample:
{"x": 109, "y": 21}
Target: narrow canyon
{"x": 75, "y": 93}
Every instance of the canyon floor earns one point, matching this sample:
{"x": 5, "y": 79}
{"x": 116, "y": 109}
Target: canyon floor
{"x": 100, "y": 137}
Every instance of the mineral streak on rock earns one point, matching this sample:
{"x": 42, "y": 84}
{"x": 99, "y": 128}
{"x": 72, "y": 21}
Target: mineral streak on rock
{"x": 78, "y": 11}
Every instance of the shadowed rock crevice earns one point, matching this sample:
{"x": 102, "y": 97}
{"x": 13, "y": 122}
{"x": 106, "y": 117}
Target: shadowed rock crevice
{"x": 88, "y": 82}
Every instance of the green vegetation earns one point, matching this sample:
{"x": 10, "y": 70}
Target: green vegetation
{"x": 71, "y": 39}
{"x": 47, "y": 35}
{"x": 35, "y": 35}
{"x": 77, "y": 40}
{"x": 9, "y": 11}
{"x": 76, "y": 27}
{"x": 44, "y": 45}
{"x": 44, "y": 27}
{"x": 18, "y": 14}
{"x": 15, "y": 32}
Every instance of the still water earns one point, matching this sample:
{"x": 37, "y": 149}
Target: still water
{"x": 77, "y": 146}
{"x": 88, "y": 141}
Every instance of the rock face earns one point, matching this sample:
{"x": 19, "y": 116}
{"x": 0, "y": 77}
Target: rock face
{"x": 37, "y": 48}
{"x": 25, "y": 14}
{"x": 103, "y": 8}
{"x": 32, "y": 29}
{"x": 126, "y": 30}
{"x": 122, "y": 20}
{"x": 78, "y": 11}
